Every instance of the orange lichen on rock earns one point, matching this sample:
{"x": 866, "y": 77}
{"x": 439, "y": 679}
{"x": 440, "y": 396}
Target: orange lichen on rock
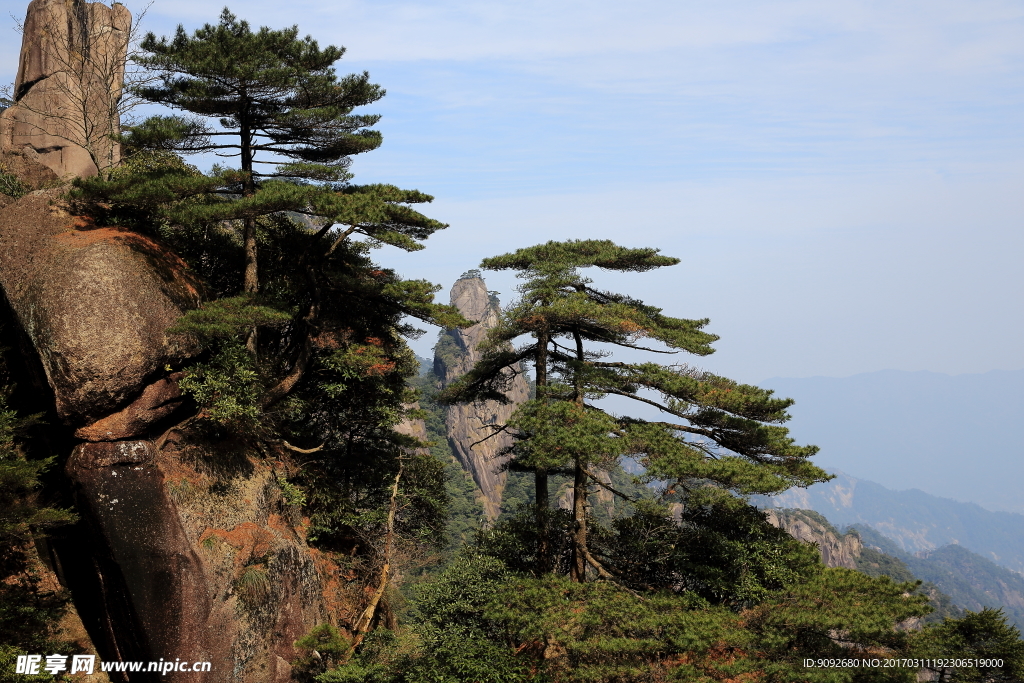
{"x": 249, "y": 540}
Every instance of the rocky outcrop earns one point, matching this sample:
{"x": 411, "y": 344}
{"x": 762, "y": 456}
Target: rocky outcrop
{"x": 457, "y": 352}
{"x": 192, "y": 552}
{"x": 68, "y": 86}
{"x": 186, "y": 548}
{"x": 837, "y": 550}
{"x": 414, "y": 427}
{"x": 96, "y": 303}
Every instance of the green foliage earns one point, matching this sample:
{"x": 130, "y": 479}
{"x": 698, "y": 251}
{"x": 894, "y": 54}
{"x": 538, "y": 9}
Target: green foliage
{"x": 516, "y": 539}
{"x": 274, "y": 95}
{"x": 479, "y": 621}
{"x": 984, "y": 636}
{"x": 328, "y": 644}
{"x": 269, "y": 83}
{"x": 875, "y": 563}
{"x": 456, "y": 641}
{"x": 600, "y": 632}
{"x": 253, "y": 586}
{"x": 228, "y": 386}
{"x": 11, "y": 185}
{"x": 556, "y": 434}
{"x": 28, "y": 613}
{"x": 695, "y": 583}
{"x": 717, "y": 547}
{"x": 831, "y": 609}
{"x": 465, "y": 512}
{"x": 713, "y": 431}
{"x": 230, "y": 319}
{"x": 292, "y": 494}
{"x": 19, "y": 480}
{"x": 562, "y": 257}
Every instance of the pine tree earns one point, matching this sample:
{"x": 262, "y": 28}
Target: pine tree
{"x": 711, "y": 593}
{"x": 984, "y": 639}
{"x": 274, "y": 95}
{"x": 716, "y": 433}
{"x": 324, "y": 380}
{"x": 280, "y": 107}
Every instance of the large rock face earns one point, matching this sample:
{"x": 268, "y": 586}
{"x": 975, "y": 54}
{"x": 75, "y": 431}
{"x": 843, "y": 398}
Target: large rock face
{"x": 195, "y": 554}
{"x": 96, "y": 303}
{"x": 455, "y": 354}
{"x": 68, "y": 85}
{"x": 805, "y": 525}
{"x": 186, "y": 548}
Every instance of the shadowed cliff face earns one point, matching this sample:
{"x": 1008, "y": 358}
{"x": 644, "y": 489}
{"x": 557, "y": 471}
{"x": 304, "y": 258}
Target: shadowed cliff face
{"x": 455, "y": 355}
{"x": 186, "y": 548}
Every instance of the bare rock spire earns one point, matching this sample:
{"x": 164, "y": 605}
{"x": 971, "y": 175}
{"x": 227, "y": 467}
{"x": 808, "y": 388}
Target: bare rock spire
{"x": 456, "y": 353}
{"x": 69, "y": 86}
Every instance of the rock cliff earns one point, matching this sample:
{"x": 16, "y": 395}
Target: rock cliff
{"x": 473, "y": 441}
{"x": 837, "y": 550}
{"x": 186, "y": 546}
{"x": 68, "y": 86}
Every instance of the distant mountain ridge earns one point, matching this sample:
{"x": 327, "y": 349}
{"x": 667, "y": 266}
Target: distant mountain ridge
{"x": 914, "y": 520}
{"x": 955, "y": 436}
{"x": 971, "y": 581}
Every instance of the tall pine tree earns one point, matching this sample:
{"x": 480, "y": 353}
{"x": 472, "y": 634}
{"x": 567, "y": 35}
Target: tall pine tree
{"x": 282, "y": 241}
{"x": 274, "y": 95}
{"x": 715, "y": 433}
{"x": 286, "y": 116}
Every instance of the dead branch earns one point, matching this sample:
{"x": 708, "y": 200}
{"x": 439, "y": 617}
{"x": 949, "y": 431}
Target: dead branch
{"x": 600, "y": 483}
{"x": 341, "y": 238}
{"x": 362, "y": 625}
{"x": 302, "y": 450}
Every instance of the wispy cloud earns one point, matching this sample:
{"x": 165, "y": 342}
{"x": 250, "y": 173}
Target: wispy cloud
{"x": 842, "y": 176}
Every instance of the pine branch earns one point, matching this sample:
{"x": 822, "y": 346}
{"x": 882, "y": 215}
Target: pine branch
{"x": 608, "y": 486}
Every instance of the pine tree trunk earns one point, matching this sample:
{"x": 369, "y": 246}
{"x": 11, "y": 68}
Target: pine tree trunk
{"x": 541, "y": 474}
{"x": 578, "y": 572}
{"x": 250, "y": 281}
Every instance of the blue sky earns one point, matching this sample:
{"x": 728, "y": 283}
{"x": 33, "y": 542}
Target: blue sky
{"x": 841, "y": 179}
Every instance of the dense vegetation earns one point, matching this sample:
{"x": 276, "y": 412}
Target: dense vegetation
{"x": 29, "y": 610}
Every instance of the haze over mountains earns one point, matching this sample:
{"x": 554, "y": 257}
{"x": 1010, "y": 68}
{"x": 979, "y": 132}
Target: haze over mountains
{"x": 954, "y": 436}
{"x": 914, "y": 520}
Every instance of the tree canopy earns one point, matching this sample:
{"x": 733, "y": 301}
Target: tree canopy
{"x": 716, "y": 432}
{"x": 302, "y": 333}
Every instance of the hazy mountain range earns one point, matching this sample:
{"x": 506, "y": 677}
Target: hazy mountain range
{"x": 970, "y": 581}
{"x": 955, "y": 436}
{"x": 914, "y": 520}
